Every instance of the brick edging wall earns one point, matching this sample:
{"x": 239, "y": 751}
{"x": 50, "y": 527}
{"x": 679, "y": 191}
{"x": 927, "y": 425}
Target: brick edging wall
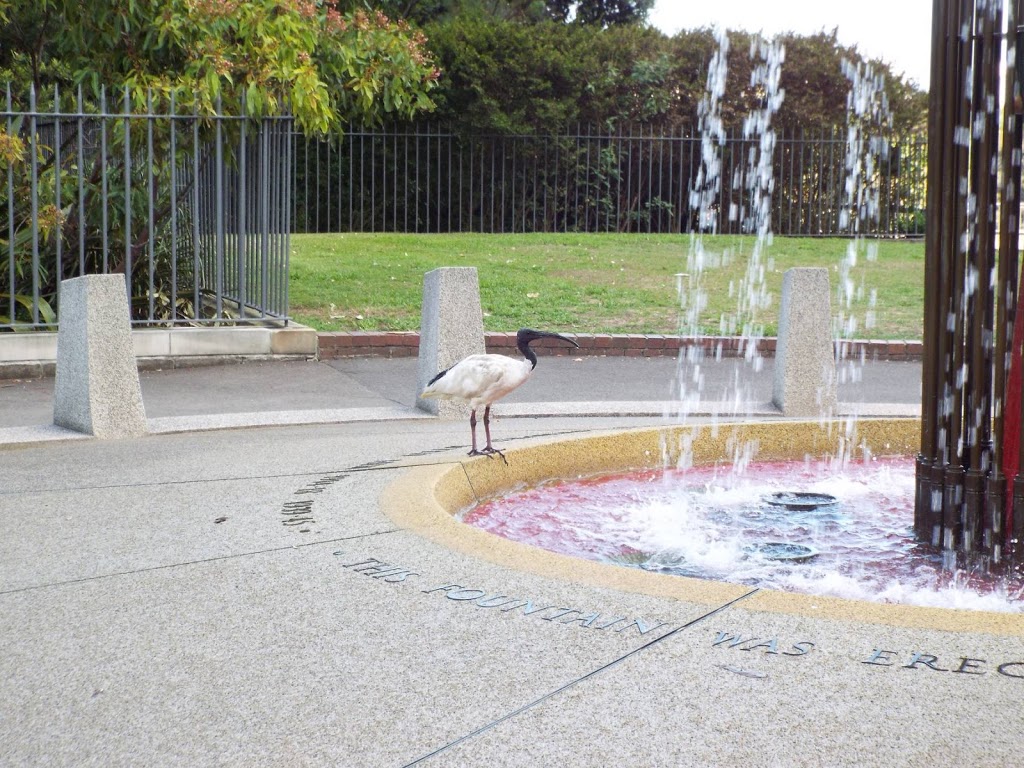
{"x": 337, "y": 345}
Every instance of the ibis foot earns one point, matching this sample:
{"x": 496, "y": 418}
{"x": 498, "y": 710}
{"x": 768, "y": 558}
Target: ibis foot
{"x": 490, "y": 451}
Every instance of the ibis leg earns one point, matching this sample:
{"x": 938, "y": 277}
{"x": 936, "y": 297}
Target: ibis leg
{"x": 490, "y": 449}
{"x": 472, "y": 429}
{"x": 487, "y": 428}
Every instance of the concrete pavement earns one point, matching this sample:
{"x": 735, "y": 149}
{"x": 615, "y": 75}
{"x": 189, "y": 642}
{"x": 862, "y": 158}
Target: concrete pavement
{"x": 209, "y": 595}
{"x": 315, "y": 392}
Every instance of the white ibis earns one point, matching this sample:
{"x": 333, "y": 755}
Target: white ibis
{"x": 480, "y": 380}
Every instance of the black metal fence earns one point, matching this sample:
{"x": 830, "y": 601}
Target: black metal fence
{"x": 194, "y": 210}
{"x": 427, "y": 179}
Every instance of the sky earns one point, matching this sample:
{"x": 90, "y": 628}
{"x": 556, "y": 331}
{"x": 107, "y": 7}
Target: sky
{"x": 896, "y": 31}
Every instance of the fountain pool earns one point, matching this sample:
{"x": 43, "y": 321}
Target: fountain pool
{"x": 433, "y": 497}
{"x": 806, "y": 526}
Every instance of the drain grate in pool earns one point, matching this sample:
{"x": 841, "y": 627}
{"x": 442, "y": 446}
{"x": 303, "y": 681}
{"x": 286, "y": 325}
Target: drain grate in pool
{"x": 800, "y": 500}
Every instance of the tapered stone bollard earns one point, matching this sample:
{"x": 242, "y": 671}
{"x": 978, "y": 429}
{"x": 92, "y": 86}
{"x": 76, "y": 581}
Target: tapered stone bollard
{"x": 96, "y": 390}
{"x": 451, "y": 327}
{"x": 805, "y": 366}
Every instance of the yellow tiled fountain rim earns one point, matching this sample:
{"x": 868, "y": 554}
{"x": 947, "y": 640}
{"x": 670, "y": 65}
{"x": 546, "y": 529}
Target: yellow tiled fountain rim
{"x": 427, "y": 498}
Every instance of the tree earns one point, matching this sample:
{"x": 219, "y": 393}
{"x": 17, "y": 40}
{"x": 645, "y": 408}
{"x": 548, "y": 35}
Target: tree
{"x": 26, "y": 34}
{"x": 817, "y": 88}
{"x": 257, "y": 58}
{"x": 601, "y": 13}
{"x": 326, "y": 66}
{"x": 512, "y": 77}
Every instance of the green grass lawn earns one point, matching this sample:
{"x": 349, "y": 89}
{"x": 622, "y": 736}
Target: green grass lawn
{"x": 592, "y": 283}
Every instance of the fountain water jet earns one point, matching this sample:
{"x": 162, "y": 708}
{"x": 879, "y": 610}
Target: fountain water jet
{"x": 868, "y": 123}
{"x": 749, "y": 199}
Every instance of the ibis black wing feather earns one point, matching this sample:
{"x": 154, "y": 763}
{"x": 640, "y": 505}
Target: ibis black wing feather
{"x": 438, "y": 376}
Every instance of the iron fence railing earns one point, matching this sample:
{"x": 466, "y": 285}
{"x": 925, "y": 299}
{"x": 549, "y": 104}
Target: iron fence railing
{"x": 194, "y": 210}
{"x": 427, "y": 179}
{"x": 197, "y": 210}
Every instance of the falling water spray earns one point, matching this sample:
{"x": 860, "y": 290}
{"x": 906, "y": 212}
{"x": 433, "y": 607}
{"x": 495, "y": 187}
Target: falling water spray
{"x": 868, "y": 126}
{"x": 705, "y": 197}
{"x": 753, "y": 184}
{"x": 759, "y": 182}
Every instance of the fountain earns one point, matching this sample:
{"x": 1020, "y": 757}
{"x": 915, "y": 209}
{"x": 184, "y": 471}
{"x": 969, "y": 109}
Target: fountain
{"x": 959, "y": 515}
{"x": 846, "y": 533}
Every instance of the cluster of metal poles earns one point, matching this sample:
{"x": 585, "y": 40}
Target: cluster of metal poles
{"x": 970, "y": 484}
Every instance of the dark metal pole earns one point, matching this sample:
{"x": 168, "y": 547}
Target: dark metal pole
{"x": 1012, "y": 514}
{"x": 1009, "y": 214}
{"x": 943, "y": 220}
{"x": 977, "y": 417}
{"x": 954, "y": 475}
{"x": 928, "y": 455}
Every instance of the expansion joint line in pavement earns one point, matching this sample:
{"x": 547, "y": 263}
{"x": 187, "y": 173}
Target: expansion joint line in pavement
{"x": 219, "y": 558}
{"x": 577, "y": 681}
{"x": 469, "y": 481}
{"x": 369, "y": 466}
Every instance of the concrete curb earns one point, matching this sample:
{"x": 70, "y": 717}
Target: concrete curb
{"x": 333, "y": 346}
{"x": 32, "y": 356}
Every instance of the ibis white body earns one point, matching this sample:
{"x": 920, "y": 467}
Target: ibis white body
{"x": 481, "y": 380}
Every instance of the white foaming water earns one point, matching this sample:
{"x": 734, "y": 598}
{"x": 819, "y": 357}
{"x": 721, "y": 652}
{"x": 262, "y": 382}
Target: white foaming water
{"x": 868, "y": 121}
{"x": 705, "y": 199}
{"x": 716, "y": 523}
{"x": 753, "y": 182}
{"x": 753, "y": 297}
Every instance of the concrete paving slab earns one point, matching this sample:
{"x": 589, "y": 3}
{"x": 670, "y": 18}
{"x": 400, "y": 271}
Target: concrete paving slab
{"x": 170, "y": 424}
{"x": 699, "y": 697}
{"x": 650, "y": 378}
{"x": 279, "y": 657}
{"x": 291, "y": 645}
{"x": 188, "y": 498}
{"x": 213, "y": 390}
{"x": 397, "y": 648}
{"x": 48, "y": 538}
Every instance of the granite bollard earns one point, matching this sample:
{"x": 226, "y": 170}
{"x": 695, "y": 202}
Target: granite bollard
{"x": 805, "y": 366}
{"x": 451, "y": 327}
{"x": 96, "y": 387}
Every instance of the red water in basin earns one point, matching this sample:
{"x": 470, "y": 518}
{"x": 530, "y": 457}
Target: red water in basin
{"x": 710, "y": 522}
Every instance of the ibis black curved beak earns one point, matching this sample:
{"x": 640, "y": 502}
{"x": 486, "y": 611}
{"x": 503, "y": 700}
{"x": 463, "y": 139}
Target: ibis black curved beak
{"x": 526, "y": 335}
